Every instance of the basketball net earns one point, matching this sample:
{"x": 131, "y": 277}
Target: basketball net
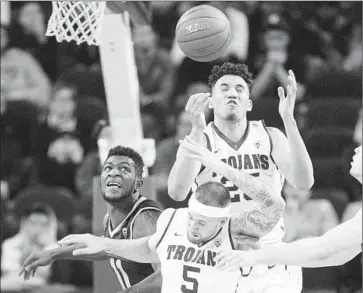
{"x": 76, "y": 21}
{"x": 82, "y": 22}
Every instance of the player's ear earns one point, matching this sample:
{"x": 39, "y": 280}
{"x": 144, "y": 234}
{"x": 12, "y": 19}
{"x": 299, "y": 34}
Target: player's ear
{"x": 250, "y": 105}
{"x": 139, "y": 182}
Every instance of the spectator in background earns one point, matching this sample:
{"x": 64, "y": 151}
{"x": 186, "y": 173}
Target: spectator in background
{"x": 152, "y": 119}
{"x": 38, "y": 231}
{"x": 27, "y": 32}
{"x": 22, "y": 77}
{"x": 154, "y": 68}
{"x": 194, "y": 88}
{"x": 57, "y": 168}
{"x": 17, "y": 130}
{"x": 165, "y": 158}
{"x": 59, "y": 118}
{"x": 306, "y": 217}
{"x": 272, "y": 65}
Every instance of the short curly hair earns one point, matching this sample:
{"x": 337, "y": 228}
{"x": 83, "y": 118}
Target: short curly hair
{"x": 229, "y": 68}
{"x": 129, "y": 153}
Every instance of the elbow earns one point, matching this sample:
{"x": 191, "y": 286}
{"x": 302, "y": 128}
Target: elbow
{"x": 304, "y": 184}
{"x": 176, "y": 192}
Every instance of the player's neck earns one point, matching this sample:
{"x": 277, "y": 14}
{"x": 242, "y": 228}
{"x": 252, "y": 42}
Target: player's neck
{"x": 232, "y": 130}
{"x": 118, "y": 211}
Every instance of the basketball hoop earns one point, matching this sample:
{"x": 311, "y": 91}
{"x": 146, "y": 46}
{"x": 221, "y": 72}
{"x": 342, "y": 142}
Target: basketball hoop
{"x": 76, "y": 21}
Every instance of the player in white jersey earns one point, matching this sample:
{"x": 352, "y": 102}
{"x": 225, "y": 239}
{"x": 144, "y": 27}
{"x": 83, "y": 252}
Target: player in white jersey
{"x": 334, "y": 248}
{"x": 262, "y": 151}
{"x": 186, "y": 240}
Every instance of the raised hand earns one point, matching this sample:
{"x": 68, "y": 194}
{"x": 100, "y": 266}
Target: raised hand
{"x": 35, "y": 260}
{"x": 195, "y": 107}
{"x": 93, "y": 245}
{"x": 287, "y": 103}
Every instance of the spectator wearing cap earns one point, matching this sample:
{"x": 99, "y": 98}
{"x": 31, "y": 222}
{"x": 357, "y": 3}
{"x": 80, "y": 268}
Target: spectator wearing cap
{"x": 276, "y": 59}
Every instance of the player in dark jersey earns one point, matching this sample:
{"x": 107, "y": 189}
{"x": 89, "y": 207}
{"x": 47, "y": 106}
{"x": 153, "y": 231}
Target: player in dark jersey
{"x": 129, "y": 216}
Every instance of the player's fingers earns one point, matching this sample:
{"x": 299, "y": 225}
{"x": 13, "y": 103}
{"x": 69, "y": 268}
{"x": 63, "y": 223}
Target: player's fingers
{"x": 281, "y": 92}
{"x": 291, "y": 73}
{"x": 205, "y": 103}
{"x": 33, "y": 272}
{"x": 190, "y": 103}
{"x": 200, "y": 104}
{"x": 82, "y": 251}
{"x": 195, "y": 99}
{"x": 28, "y": 260}
{"x": 222, "y": 259}
{"x": 70, "y": 239}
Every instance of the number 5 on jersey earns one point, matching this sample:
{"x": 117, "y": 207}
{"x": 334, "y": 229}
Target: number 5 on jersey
{"x": 188, "y": 276}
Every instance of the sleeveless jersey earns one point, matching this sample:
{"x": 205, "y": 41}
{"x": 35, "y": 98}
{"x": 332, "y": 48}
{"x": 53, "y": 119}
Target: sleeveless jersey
{"x": 129, "y": 273}
{"x": 252, "y": 154}
{"x": 188, "y": 267}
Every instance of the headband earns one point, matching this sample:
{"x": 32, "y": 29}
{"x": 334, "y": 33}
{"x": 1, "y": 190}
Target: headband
{"x": 208, "y": 211}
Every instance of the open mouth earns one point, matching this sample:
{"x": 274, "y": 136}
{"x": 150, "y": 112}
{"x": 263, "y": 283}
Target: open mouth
{"x": 114, "y": 184}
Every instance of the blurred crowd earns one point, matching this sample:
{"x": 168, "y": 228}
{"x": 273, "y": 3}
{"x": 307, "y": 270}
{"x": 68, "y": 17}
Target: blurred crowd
{"x": 53, "y": 106}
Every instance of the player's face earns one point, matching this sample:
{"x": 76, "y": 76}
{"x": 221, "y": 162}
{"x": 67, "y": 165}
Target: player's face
{"x": 356, "y": 164}
{"x": 201, "y": 228}
{"x": 118, "y": 178}
{"x": 231, "y": 98}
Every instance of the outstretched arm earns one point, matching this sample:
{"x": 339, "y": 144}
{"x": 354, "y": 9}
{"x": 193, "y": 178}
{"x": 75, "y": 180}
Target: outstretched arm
{"x": 290, "y": 154}
{"x": 46, "y": 257}
{"x": 140, "y": 250}
{"x": 334, "y": 248}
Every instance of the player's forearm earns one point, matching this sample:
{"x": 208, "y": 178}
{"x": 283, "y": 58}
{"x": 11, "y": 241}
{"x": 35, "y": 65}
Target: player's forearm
{"x": 329, "y": 249}
{"x": 337, "y": 259}
{"x": 301, "y": 173}
{"x": 137, "y": 250}
{"x": 295, "y": 253}
{"x": 151, "y": 284}
{"x": 186, "y": 168}
{"x": 66, "y": 252}
{"x": 254, "y": 188}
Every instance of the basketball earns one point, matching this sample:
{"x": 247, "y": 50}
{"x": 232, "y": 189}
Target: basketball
{"x": 203, "y": 33}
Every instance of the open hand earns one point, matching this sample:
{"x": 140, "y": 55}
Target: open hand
{"x": 195, "y": 107}
{"x": 93, "y": 244}
{"x": 35, "y": 260}
{"x": 287, "y": 103}
{"x": 230, "y": 260}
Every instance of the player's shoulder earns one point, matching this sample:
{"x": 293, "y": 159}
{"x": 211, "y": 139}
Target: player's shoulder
{"x": 145, "y": 221}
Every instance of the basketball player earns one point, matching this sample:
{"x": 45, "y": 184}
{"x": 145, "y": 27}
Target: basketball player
{"x": 334, "y": 248}
{"x": 262, "y": 151}
{"x": 129, "y": 216}
{"x": 186, "y": 239}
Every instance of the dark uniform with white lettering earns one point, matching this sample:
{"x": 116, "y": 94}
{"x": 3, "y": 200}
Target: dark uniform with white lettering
{"x": 188, "y": 267}
{"x": 129, "y": 273}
